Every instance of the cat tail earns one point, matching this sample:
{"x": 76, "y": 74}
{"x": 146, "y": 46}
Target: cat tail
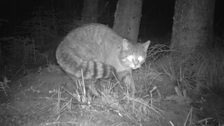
{"x": 78, "y": 67}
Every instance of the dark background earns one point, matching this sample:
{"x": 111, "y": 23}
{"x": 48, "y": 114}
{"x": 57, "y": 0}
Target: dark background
{"x": 156, "y": 19}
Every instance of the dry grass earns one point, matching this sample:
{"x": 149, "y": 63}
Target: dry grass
{"x": 198, "y": 79}
{"x": 131, "y": 110}
{"x": 108, "y": 102}
{"x": 4, "y": 85}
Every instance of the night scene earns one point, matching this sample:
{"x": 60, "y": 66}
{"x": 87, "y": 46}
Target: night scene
{"x": 111, "y": 63}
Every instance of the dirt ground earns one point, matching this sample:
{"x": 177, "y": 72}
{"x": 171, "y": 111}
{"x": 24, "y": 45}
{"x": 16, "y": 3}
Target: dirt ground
{"x": 47, "y": 97}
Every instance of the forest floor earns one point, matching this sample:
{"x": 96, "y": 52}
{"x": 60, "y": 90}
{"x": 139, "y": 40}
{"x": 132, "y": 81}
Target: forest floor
{"x": 47, "y": 97}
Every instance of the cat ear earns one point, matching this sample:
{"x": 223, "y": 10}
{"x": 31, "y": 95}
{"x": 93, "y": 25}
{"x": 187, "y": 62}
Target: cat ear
{"x": 125, "y": 44}
{"x": 146, "y": 45}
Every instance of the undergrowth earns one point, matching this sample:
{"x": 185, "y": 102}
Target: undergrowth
{"x": 133, "y": 109}
{"x": 196, "y": 82}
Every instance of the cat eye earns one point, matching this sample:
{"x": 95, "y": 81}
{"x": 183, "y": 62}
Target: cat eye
{"x": 140, "y": 59}
{"x": 130, "y": 58}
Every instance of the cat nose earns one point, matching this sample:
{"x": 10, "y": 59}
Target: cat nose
{"x": 135, "y": 67}
{"x": 136, "y": 64}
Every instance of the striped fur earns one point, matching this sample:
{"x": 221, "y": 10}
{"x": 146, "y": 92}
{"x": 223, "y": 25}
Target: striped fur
{"x": 97, "y": 70}
{"x": 88, "y": 69}
{"x": 95, "y": 51}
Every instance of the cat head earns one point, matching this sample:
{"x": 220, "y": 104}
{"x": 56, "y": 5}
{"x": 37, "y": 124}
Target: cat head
{"x": 133, "y": 55}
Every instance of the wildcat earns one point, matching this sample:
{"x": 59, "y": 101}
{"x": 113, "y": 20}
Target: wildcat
{"x": 95, "y": 51}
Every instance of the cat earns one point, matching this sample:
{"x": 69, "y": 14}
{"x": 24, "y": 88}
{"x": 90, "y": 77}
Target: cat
{"x": 95, "y": 51}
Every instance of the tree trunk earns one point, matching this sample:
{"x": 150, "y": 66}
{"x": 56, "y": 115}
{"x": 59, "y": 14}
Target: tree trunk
{"x": 127, "y": 18}
{"x": 1, "y": 61}
{"x": 192, "y": 25}
{"x": 90, "y": 11}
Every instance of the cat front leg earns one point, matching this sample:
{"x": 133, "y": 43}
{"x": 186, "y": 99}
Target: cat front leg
{"x": 127, "y": 79}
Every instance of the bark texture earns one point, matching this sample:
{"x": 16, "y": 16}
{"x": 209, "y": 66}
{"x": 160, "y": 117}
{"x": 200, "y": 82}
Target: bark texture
{"x": 192, "y": 25}
{"x": 90, "y": 11}
{"x": 127, "y": 18}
